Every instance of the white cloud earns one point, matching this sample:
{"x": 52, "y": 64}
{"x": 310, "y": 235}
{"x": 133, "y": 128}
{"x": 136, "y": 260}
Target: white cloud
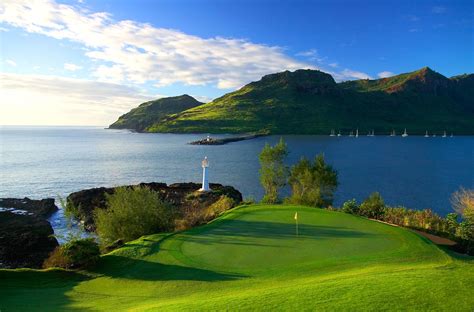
{"x": 334, "y": 65}
{"x": 308, "y": 53}
{"x": 312, "y": 55}
{"x": 385, "y": 74}
{"x": 201, "y": 98}
{"x": 11, "y": 62}
{"x": 348, "y": 74}
{"x": 72, "y": 67}
{"x": 51, "y": 100}
{"x": 139, "y": 52}
{"x": 438, "y": 10}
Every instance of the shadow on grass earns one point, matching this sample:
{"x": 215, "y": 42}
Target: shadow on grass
{"x": 33, "y": 290}
{"x": 456, "y": 254}
{"x": 254, "y": 233}
{"x": 154, "y": 271}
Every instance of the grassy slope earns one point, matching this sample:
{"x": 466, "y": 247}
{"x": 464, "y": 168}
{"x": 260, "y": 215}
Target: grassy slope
{"x": 302, "y": 103}
{"x": 250, "y": 259}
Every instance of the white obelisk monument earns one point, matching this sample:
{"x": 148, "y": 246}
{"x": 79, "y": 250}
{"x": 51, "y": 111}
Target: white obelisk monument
{"x": 205, "y": 179}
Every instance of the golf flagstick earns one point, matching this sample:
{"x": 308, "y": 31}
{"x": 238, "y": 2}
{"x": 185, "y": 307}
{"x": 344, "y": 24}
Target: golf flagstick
{"x": 296, "y": 220}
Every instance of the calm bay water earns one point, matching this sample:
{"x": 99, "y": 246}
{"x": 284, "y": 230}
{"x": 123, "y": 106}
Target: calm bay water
{"x": 416, "y": 172}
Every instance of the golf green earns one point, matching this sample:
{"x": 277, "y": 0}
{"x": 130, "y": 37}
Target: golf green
{"x": 253, "y": 258}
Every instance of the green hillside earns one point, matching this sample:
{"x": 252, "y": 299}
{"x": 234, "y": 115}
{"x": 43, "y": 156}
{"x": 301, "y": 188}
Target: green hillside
{"x": 155, "y": 111}
{"x": 311, "y": 102}
{"x": 251, "y": 259}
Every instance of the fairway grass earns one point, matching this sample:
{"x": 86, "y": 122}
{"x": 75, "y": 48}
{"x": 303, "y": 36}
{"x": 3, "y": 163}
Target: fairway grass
{"x": 251, "y": 259}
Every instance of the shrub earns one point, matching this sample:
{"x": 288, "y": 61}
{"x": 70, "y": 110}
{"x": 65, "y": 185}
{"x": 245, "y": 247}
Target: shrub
{"x": 194, "y": 214}
{"x": 132, "y": 213}
{"x": 452, "y": 223}
{"x": 313, "y": 184}
{"x": 463, "y": 203}
{"x": 350, "y": 206}
{"x": 80, "y": 253}
{"x": 224, "y": 203}
{"x": 373, "y": 207}
{"x": 250, "y": 200}
{"x": 57, "y": 259}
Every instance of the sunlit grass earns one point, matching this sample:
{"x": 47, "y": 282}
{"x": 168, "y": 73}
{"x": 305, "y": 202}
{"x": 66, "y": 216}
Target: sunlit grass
{"x": 251, "y": 258}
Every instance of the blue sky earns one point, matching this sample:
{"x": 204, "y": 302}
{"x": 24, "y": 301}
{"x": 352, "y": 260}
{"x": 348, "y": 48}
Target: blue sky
{"x": 86, "y": 62}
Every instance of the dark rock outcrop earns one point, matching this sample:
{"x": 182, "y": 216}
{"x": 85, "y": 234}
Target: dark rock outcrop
{"x": 25, "y": 236}
{"x": 25, "y": 240}
{"x": 41, "y": 208}
{"x": 179, "y": 195}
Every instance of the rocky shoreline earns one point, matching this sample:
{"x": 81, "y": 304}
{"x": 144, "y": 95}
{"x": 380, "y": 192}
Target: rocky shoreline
{"x": 213, "y": 141}
{"x": 26, "y": 237}
{"x": 179, "y": 195}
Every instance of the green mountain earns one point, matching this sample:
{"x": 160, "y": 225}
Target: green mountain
{"x": 311, "y": 102}
{"x": 152, "y": 112}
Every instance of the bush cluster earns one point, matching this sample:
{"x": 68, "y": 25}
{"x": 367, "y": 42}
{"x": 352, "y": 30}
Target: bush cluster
{"x": 194, "y": 215}
{"x": 132, "y": 213}
{"x": 425, "y": 220}
{"x": 75, "y": 254}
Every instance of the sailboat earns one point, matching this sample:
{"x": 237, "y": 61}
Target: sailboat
{"x": 393, "y": 133}
{"x": 357, "y": 133}
{"x": 332, "y": 133}
{"x": 339, "y": 134}
{"x": 405, "y": 134}
{"x": 426, "y": 134}
{"x": 452, "y": 135}
{"x": 444, "y": 134}
{"x": 351, "y": 134}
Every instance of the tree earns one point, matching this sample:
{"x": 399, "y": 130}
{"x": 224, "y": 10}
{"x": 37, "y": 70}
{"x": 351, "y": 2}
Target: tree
{"x": 313, "y": 184}
{"x": 373, "y": 207}
{"x": 273, "y": 172}
{"x": 132, "y": 213}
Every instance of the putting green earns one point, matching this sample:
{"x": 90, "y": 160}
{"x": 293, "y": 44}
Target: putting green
{"x": 252, "y": 259}
{"x": 264, "y": 238}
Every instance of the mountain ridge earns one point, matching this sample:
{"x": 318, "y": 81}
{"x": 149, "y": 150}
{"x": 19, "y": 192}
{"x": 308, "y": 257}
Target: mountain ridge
{"x": 309, "y": 101}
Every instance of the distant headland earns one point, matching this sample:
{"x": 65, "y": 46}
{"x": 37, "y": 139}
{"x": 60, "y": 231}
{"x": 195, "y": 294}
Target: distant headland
{"x": 311, "y": 102}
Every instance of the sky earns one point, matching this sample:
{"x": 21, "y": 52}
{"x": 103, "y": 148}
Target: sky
{"x": 87, "y": 62}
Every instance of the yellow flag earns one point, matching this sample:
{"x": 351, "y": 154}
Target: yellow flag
{"x": 296, "y": 215}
